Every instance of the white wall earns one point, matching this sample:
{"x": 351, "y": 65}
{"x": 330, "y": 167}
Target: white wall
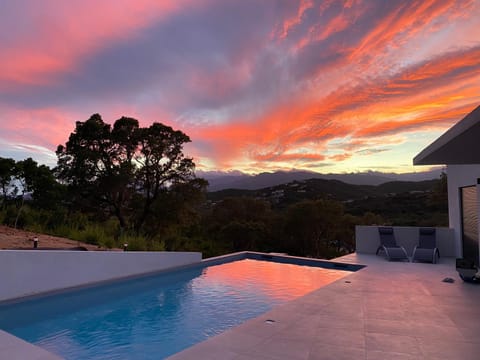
{"x": 30, "y": 272}
{"x": 367, "y": 239}
{"x": 459, "y": 176}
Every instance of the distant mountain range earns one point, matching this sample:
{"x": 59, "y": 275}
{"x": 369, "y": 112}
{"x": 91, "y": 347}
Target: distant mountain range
{"x": 237, "y": 180}
{"x": 295, "y": 191}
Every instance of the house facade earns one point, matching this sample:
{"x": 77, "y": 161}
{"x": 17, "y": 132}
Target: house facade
{"x": 458, "y": 150}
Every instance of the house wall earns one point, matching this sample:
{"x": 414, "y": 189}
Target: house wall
{"x": 367, "y": 239}
{"x": 459, "y": 176}
{"x": 30, "y": 272}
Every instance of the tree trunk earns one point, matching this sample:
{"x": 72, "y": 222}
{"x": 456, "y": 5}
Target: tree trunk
{"x": 143, "y": 217}
{"x": 121, "y": 220}
{"x": 19, "y": 211}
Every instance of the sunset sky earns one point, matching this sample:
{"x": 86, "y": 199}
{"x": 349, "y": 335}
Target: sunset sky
{"x": 258, "y": 85}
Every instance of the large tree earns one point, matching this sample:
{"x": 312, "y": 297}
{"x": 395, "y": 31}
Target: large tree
{"x": 125, "y": 167}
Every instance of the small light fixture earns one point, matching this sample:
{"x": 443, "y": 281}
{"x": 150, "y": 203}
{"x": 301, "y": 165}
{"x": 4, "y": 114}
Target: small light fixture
{"x": 35, "y": 242}
{"x": 125, "y": 246}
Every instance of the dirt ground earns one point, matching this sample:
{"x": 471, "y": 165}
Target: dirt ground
{"x": 19, "y": 239}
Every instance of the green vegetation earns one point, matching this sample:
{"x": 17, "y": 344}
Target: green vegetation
{"x": 132, "y": 185}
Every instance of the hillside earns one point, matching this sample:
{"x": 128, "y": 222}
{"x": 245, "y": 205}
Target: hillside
{"x": 11, "y": 238}
{"x": 320, "y": 188}
{"x": 406, "y": 203}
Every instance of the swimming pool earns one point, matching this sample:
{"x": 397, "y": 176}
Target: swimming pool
{"x": 156, "y": 316}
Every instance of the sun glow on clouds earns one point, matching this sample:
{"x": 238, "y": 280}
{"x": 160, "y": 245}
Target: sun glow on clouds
{"x": 319, "y": 85}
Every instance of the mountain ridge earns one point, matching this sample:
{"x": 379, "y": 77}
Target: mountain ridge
{"x": 237, "y": 180}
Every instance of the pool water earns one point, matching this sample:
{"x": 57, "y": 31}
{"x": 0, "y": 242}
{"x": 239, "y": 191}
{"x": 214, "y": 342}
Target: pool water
{"x": 156, "y": 316}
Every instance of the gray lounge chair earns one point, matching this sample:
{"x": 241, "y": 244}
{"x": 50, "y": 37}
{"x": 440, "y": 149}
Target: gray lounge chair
{"x": 426, "y": 250}
{"x": 389, "y": 245}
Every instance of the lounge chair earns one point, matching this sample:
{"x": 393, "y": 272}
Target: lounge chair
{"x": 389, "y": 245}
{"x": 426, "y": 250}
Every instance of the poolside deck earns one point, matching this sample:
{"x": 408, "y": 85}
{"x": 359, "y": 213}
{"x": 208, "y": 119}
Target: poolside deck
{"x": 13, "y": 348}
{"x": 388, "y": 310}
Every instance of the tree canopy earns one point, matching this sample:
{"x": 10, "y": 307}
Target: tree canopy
{"x": 123, "y": 167}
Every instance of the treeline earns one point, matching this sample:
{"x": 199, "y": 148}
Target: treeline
{"x": 316, "y": 228}
{"x": 131, "y": 184}
{"x": 25, "y": 185}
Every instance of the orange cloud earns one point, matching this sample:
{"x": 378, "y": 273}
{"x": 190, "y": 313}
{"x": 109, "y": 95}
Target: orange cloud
{"x": 460, "y": 65}
{"x": 382, "y": 106}
{"x": 283, "y": 157}
{"x": 433, "y": 120}
{"x": 407, "y": 20}
{"x": 340, "y": 157}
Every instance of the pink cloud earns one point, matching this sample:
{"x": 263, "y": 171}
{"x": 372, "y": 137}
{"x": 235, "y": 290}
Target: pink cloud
{"x": 60, "y": 34}
{"x": 290, "y": 23}
{"x": 46, "y": 127}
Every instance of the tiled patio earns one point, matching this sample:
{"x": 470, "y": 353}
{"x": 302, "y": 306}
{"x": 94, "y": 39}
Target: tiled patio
{"x": 389, "y": 310}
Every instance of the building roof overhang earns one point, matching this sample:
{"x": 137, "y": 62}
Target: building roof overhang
{"x": 459, "y": 145}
